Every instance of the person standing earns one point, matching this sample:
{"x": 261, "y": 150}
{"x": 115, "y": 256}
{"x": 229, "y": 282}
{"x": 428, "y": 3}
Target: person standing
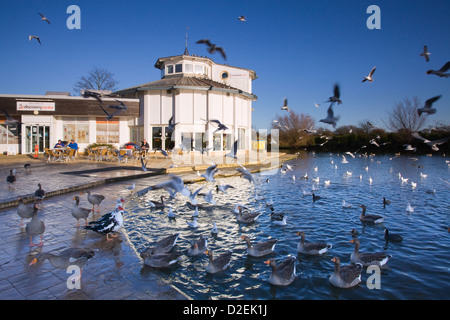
{"x": 144, "y": 148}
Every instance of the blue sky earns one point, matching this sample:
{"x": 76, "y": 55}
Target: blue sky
{"x": 298, "y": 49}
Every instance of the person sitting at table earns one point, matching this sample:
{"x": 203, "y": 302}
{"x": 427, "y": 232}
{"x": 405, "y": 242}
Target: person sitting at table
{"x": 144, "y": 145}
{"x": 59, "y": 144}
{"x": 73, "y": 145}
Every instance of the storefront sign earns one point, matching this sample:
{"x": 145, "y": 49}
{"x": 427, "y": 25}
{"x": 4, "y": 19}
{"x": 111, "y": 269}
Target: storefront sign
{"x": 35, "y": 106}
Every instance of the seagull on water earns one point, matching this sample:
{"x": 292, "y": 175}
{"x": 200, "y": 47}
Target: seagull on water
{"x": 409, "y": 208}
{"x": 193, "y": 195}
{"x": 210, "y": 198}
{"x": 409, "y": 147}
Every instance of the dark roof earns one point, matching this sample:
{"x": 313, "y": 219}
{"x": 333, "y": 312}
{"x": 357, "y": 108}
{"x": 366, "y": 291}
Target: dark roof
{"x": 183, "y": 82}
{"x": 67, "y": 105}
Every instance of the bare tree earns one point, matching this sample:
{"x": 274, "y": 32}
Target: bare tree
{"x": 291, "y": 129}
{"x": 96, "y": 79}
{"x": 365, "y": 126}
{"x": 404, "y": 119}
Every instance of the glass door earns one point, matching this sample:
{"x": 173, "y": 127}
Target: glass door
{"x": 37, "y": 135}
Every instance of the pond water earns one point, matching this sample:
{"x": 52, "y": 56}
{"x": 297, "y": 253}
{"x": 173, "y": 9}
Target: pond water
{"x": 419, "y": 267}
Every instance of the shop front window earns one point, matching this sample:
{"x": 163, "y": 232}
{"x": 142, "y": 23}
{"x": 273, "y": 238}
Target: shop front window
{"x": 9, "y": 134}
{"x": 75, "y": 128}
{"x": 217, "y": 142}
{"x": 107, "y": 131}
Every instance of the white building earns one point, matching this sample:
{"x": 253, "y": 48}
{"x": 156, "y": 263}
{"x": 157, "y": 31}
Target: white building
{"x": 192, "y": 90}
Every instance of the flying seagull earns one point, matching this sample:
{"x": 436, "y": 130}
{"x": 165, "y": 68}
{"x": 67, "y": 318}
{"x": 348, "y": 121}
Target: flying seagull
{"x": 212, "y": 48}
{"x": 233, "y": 152}
{"x": 330, "y": 119}
{"x": 425, "y": 53}
{"x": 93, "y": 94}
{"x": 337, "y": 95}
{"x": 246, "y": 174}
{"x": 172, "y": 124}
{"x": 30, "y": 37}
{"x": 427, "y": 108}
{"x": 242, "y": 18}
{"x": 369, "y": 77}
{"x": 121, "y": 106}
{"x": 10, "y": 121}
{"x": 442, "y": 71}
{"x": 144, "y": 165}
{"x": 285, "y": 105}
{"x": 210, "y": 172}
{"x": 220, "y": 126}
{"x": 108, "y": 115}
{"x": 173, "y": 186}
{"x": 432, "y": 144}
{"x": 43, "y": 18}
{"x": 202, "y": 150}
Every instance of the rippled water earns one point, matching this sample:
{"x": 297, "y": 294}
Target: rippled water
{"x": 419, "y": 268}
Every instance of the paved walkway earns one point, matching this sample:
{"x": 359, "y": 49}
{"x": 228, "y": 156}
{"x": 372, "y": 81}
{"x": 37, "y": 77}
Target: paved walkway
{"x": 116, "y": 272}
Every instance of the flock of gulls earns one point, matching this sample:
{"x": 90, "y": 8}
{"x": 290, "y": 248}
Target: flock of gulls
{"x": 161, "y": 254}
{"x": 427, "y": 108}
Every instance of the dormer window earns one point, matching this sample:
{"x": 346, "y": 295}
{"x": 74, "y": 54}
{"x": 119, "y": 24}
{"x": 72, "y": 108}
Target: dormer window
{"x": 188, "y": 68}
{"x": 183, "y": 68}
{"x": 199, "y": 68}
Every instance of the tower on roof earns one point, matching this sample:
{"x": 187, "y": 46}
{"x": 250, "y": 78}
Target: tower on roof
{"x": 186, "y": 52}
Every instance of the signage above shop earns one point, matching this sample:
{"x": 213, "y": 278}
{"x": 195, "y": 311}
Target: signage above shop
{"x": 35, "y": 106}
